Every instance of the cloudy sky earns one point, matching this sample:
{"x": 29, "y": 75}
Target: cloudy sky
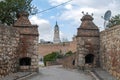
{"x": 68, "y": 16}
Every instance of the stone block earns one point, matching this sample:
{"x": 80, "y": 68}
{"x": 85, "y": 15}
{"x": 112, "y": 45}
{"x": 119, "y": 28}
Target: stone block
{"x": 24, "y": 67}
{"x": 33, "y": 60}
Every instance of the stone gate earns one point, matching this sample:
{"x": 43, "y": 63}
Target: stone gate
{"x": 27, "y": 53}
{"x": 87, "y": 43}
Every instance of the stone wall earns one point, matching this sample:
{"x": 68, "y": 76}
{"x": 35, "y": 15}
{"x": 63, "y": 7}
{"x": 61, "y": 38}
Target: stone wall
{"x": 69, "y": 61}
{"x": 18, "y": 46}
{"x": 9, "y": 39}
{"x": 110, "y": 50}
{"x": 51, "y": 63}
{"x": 44, "y": 49}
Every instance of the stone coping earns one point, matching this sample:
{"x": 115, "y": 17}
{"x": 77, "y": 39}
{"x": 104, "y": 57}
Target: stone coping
{"x": 109, "y": 29}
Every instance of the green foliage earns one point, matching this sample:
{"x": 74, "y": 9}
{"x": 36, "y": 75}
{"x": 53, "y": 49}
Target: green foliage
{"x": 10, "y": 8}
{"x": 114, "y": 21}
{"x": 68, "y": 53}
{"x": 60, "y": 56}
{"x": 55, "y": 55}
{"x": 52, "y": 57}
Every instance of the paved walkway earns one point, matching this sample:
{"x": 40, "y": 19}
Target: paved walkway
{"x": 17, "y": 76}
{"x": 103, "y": 75}
{"x": 59, "y": 73}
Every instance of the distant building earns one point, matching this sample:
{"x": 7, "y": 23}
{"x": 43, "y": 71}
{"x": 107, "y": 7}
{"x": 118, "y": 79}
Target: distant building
{"x": 56, "y": 38}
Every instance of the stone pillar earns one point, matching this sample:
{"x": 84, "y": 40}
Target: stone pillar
{"x": 87, "y": 42}
{"x": 27, "y": 54}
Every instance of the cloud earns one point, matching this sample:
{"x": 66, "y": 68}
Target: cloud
{"x": 70, "y": 14}
{"x": 75, "y": 14}
{"x": 72, "y": 11}
{"x": 44, "y": 28}
{"x": 69, "y": 6}
{"x": 52, "y": 17}
{"x": 62, "y": 36}
{"x": 56, "y": 2}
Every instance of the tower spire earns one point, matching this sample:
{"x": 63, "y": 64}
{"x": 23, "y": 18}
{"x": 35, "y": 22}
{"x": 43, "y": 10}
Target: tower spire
{"x": 56, "y": 34}
{"x": 56, "y": 22}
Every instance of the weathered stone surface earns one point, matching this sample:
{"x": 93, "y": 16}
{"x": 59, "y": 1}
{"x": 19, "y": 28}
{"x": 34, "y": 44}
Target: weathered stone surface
{"x": 87, "y": 43}
{"x": 28, "y": 42}
{"x": 17, "y": 43}
{"x": 9, "y": 39}
{"x": 110, "y": 50}
{"x": 69, "y": 61}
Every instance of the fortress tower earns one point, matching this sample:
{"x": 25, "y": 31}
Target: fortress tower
{"x": 88, "y": 42}
{"x": 27, "y": 53}
{"x": 56, "y": 34}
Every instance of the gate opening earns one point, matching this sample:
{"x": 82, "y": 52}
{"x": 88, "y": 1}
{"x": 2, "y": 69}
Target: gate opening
{"x": 89, "y": 59}
{"x": 26, "y": 61}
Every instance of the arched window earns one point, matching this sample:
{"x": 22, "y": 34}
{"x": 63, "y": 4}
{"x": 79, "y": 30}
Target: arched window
{"x": 26, "y": 61}
{"x": 89, "y": 58}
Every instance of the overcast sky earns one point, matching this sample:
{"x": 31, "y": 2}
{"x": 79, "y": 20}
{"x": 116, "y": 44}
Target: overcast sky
{"x": 68, "y": 16}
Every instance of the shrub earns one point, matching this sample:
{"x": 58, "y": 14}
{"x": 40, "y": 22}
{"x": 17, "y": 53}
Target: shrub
{"x": 52, "y": 57}
{"x": 68, "y": 53}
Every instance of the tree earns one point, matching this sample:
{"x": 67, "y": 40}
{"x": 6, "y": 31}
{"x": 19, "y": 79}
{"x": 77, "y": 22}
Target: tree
{"x": 114, "y": 21}
{"x": 10, "y": 8}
